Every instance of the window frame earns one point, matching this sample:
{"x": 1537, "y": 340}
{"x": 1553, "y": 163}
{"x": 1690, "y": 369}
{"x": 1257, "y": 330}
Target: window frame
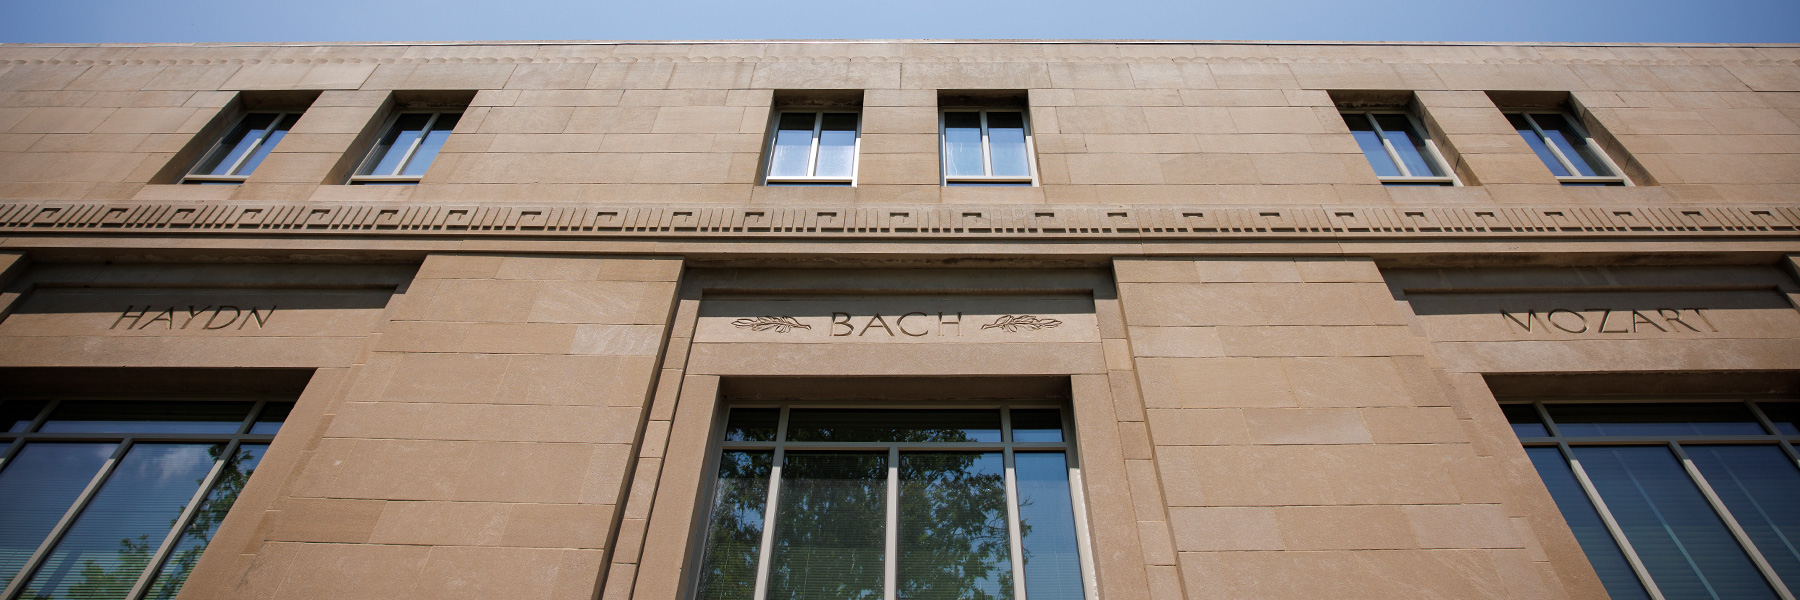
{"x": 11, "y": 443}
{"x": 370, "y": 159}
{"x": 987, "y": 154}
{"x": 718, "y": 445}
{"x": 1448, "y": 179}
{"x": 1618, "y": 177}
{"x": 218, "y": 146}
{"x": 1565, "y": 447}
{"x": 812, "y": 155}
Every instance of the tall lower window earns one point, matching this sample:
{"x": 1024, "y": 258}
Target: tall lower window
{"x": 987, "y": 147}
{"x": 834, "y": 504}
{"x": 412, "y": 140}
{"x": 813, "y": 148}
{"x": 118, "y": 499}
{"x": 1675, "y": 500}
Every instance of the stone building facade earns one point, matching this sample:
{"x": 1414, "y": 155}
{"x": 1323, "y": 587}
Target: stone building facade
{"x": 540, "y": 320}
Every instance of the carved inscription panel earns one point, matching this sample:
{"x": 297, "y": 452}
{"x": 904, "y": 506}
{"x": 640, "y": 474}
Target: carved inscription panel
{"x": 1606, "y": 315}
{"x": 931, "y": 319}
{"x": 112, "y": 312}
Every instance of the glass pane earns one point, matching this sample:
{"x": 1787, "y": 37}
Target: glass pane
{"x": 1409, "y": 145}
{"x": 1006, "y": 144}
{"x": 1572, "y": 143}
{"x": 1537, "y": 145}
{"x": 36, "y": 489}
{"x": 199, "y": 533}
{"x": 1370, "y": 142}
{"x": 1047, "y": 526}
{"x": 850, "y": 425}
{"x": 1037, "y": 425}
{"x": 147, "y": 417}
{"x": 837, "y": 145}
{"x": 830, "y": 527}
{"x": 269, "y": 422}
{"x": 1784, "y": 415}
{"x": 793, "y": 145}
{"x": 109, "y": 545}
{"x": 1525, "y": 420}
{"x": 734, "y": 538}
{"x": 1655, "y": 420}
{"x": 1602, "y": 550}
{"x": 962, "y": 144}
{"x": 953, "y": 542}
{"x": 1761, "y": 488}
{"x": 1681, "y": 541}
{"x": 428, "y": 149}
{"x": 16, "y": 415}
{"x": 385, "y": 158}
{"x": 752, "y": 424}
{"x": 268, "y": 144}
{"x": 234, "y": 145}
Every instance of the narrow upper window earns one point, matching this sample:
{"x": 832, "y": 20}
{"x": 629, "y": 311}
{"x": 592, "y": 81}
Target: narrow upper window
{"x": 833, "y": 503}
{"x": 1674, "y": 499}
{"x": 406, "y": 149}
{"x": 118, "y": 499}
{"x": 1397, "y": 149}
{"x": 1566, "y": 149}
{"x": 987, "y": 147}
{"x": 813, "y": 148}
{"x": 236, "y": 155}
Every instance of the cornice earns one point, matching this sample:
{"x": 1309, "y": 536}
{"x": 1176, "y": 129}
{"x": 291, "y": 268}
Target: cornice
{"x": 934, "y": 222}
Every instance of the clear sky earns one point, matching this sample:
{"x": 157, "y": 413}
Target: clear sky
{"x": 415, "y": 20}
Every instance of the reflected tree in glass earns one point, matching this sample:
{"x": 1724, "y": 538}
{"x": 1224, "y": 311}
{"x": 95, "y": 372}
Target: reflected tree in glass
{"x": 734, "y": 538}
{"x": 830, "y": 527}
{"x": 953, "y": 543}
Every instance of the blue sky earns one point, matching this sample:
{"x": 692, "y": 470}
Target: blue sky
{"x": 410, "y": 20}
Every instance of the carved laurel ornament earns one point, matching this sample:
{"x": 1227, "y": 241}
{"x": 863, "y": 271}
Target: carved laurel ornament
{"x": 782, "y": 324}
{"x": 1014, "y": 324}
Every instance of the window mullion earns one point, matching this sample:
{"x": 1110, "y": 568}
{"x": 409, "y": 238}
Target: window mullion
{"x": 1737, "y": 531}
{"x": 891, "y": 566}
{"x": 1015, "y": 541}
{"x": 254, "y": 144}
{"x": 1612, "y": 525}
{"x": 400, "y": 167}
{"x": 812, "y": 153}
{"x": 1388, "y": 145}
{"x": 187, "y": 517}
{"x": 18, "y": 443}
{"x": 766, "y": 550}
{"x": 987, "y": 159}
{"x": 1545, "y": 139}
{"x": 26, "y": 571}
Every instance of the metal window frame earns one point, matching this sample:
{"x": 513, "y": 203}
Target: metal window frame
{"x": 890, "y": 581}
{"x": 1406, "y": 177}
{"x": 232, "y": 175}
{"x": 987, "y": 155}
{"x": 16, "y": 441}
{"x": 371, "y": 160}
{"x": 1674, "y": 443}
{"x": 812, "y": 154}
{"x": 1618, "y": 176}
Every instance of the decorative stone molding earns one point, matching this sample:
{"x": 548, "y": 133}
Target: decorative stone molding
{"x": 1013, "y": 323}
{"x": 899, "y": 221}
{"x": 782, "y": 324}
{"x": 861, "y": 220}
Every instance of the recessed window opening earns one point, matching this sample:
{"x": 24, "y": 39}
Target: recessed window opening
{"x": 107, "y": 498}
{"x": 1396, "y": 147}
{"x": 411, "y": 140}
{"x": 983, "y": 146}
{"x": 1566, "y": 149}
{"x": 1674, "y": 498}
{"x": 814, "y": 147}
{"x": 828, "y": 502}
{"x": 235, "y": 156}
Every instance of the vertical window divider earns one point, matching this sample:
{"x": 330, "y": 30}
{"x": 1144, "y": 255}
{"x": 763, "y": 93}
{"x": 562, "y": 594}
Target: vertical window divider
{"x": 812, "y": 153}
{"x": 154, "y": 567}
{"x": 29, "y": 569}
{"x": 1388, "y": 145}
{"x": 891, "y": 566}
{"x": 987, "y": 157}
{"x": 1612, "y": 525}
{"x": 18, "y": 443}
{"x": 1731, "y": 523}
{"x": 766, "y": 551}
{"x": 412, "y": 148}
{"x": 1015, "y": 538}
{"x": 1560, "y": 157}
{"x": 1084, "y": 547}
{"x": 1768, "y": 425}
